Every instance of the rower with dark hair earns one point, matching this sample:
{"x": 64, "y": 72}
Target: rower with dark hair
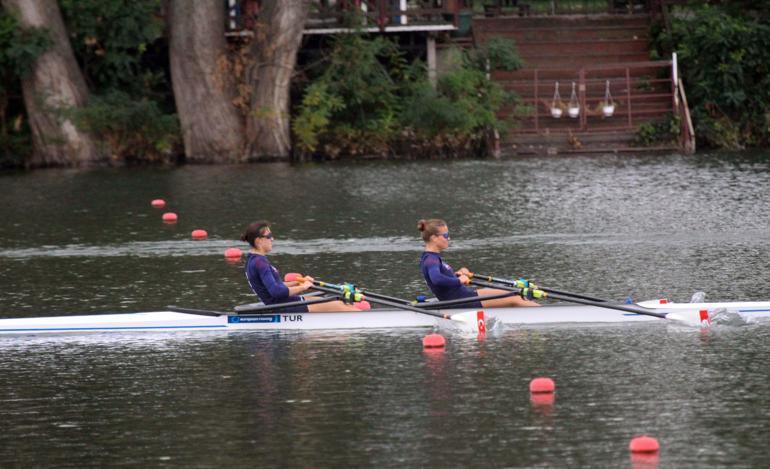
{"x": 448, "y": 284}
{"x": 265, "y": 280}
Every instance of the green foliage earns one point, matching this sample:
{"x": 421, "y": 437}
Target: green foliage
{"x": 500, "y": 53}
{"x": 133, "y": 129}
{"x": 317, "y": 108}
{"x": 724, "y": 58}
{"x": 110, "y": 39}
{"x": 19, "y": 47}
{"x": 131, "y": 111}
{"x": 656, "y": 132}
{"x": 366, "y": 99}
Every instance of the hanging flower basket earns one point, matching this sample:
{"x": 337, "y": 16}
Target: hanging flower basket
{"x": 574, "y": 107}
{"x": 556, "y": 104}
{"x": 608, "y": 105}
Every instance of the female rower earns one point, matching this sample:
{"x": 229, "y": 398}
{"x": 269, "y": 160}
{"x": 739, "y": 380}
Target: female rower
{"x": 447, "y": 284}
{"x": 265, "y": 280}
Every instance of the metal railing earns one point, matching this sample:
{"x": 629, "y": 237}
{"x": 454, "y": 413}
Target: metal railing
{"x": 353, "y": 14}
{"x": 639, "y": 91}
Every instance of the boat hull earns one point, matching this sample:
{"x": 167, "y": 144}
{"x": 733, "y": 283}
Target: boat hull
{"x": 375, "y": 319}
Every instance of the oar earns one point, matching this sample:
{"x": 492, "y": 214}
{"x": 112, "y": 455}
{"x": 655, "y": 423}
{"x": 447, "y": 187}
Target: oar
{"x": 521, "y": 283}
{"x": 349, "y": 292}
{"x": 692, "y": 317}
{"x": 294, "y": 277}
{"x": 258, "y": 309}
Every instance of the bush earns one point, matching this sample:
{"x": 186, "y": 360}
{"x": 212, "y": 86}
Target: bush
{"x": 132, "y": 129}
{"x": 724, "y": 59}
{"x": 367, "y": 100}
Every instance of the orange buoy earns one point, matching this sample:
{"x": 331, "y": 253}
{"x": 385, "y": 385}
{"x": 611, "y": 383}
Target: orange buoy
{"x": 158, "y": 203}
{"x": 200, "y": 234}
{"x": 542, "y": 385}
{"x": 169, "y": 217}
{"x": 233, "y": 253}
{"x": 644, "y": 444}
{"x": 433, "y": 341}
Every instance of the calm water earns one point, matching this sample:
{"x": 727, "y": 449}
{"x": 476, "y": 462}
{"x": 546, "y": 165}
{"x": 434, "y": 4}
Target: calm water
{"x": 88, "y": 241}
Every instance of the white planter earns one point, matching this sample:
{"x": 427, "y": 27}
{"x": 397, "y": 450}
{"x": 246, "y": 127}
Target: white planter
{"x": 608, "y": 111}
{"x": 556, "y": 112}
{"x": 573, "y": 112}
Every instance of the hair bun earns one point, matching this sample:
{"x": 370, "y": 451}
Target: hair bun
{"x": 421, "y": 225}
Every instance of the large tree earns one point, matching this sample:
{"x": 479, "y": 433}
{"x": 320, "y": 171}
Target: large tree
{"x": 277, "y": 37}
{"x": 54, "y": 85}
{"x": 212, "y": 127}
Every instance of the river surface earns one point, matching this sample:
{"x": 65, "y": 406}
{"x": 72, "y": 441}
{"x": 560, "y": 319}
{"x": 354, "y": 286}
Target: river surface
{"x": 87, "y": 241}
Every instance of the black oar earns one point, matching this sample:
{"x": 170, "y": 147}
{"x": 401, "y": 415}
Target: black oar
{"x": 520, "y": 283}
{"x": 257, "y": 309}
{"x": 350, "y": 293}
{"x": 675, "y": 316}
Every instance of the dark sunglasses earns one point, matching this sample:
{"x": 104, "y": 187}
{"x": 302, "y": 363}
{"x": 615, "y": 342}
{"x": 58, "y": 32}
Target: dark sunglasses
{"x": 445, "y": 235}
{"x": 267, "y": 236}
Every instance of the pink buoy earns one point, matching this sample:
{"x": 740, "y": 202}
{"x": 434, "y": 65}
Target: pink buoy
{"x": 433, "y": 341}
{"x": 233, "y": 253}
{"x": 542, "y": 385}
{"x": 291, "y": 277}
{"x": 363, "y": 305}
{"x": 644, "y": 444}
{"x": 169, "y": 217}
{"x": 199, "y": 234}
{"x": 158, "y": 203}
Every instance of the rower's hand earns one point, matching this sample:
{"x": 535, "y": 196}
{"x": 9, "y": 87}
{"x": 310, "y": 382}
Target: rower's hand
{"x": 309, "y": 278}
{"x": 464, "y": 279}
{"x": 305, "y": 285}
{"x": 463, "y": 271}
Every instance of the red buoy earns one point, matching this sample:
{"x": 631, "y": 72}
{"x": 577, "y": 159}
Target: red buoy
{"x": 199, "y": 234}
{"x": 291, "y": 277}
{"x": 169, "y": 217}
{"x": 233, "y": 253}
{"x": 158, "y": 203}
{"x": 644, "y": 444}
{"x": 542, "y": 385}
{"x": 433, "y": 341}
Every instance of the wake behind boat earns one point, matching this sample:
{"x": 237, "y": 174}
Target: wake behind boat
{"x": 374, "y": 319}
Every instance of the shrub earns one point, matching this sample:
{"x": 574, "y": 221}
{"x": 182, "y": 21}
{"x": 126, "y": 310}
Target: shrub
{"x": 724, "y": 58}
{"x": 133, "y": 129}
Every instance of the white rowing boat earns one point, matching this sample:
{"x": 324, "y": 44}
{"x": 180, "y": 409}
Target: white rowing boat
{"x": 374, "y": 319}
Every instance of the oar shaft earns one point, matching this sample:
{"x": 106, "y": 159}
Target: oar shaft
{"x": 470, "y": 299}
{"x": 381, "y": 301}
{"x": 518, "y": 284}
{"x": 603, "y": 304}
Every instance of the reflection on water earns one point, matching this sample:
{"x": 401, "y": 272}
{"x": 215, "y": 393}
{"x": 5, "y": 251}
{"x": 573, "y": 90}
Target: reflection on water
{"x": 88, "y": 241}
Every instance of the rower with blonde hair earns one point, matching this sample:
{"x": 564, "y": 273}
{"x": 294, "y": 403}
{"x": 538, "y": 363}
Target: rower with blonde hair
{"x": 448, "y": 284}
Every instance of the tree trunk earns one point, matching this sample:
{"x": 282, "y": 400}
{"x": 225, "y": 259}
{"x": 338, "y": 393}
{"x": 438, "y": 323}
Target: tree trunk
{"x": 212, "y": 127}
{"x": 277, "y": 38}
{"x": 54, "y": 83}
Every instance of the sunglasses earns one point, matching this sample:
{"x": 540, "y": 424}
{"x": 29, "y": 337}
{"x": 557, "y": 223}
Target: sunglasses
{"x": 267, "y": 236}
{"x": 445, "y": 235}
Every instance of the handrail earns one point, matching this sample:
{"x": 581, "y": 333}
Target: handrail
{"x": 687, "y": 138}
